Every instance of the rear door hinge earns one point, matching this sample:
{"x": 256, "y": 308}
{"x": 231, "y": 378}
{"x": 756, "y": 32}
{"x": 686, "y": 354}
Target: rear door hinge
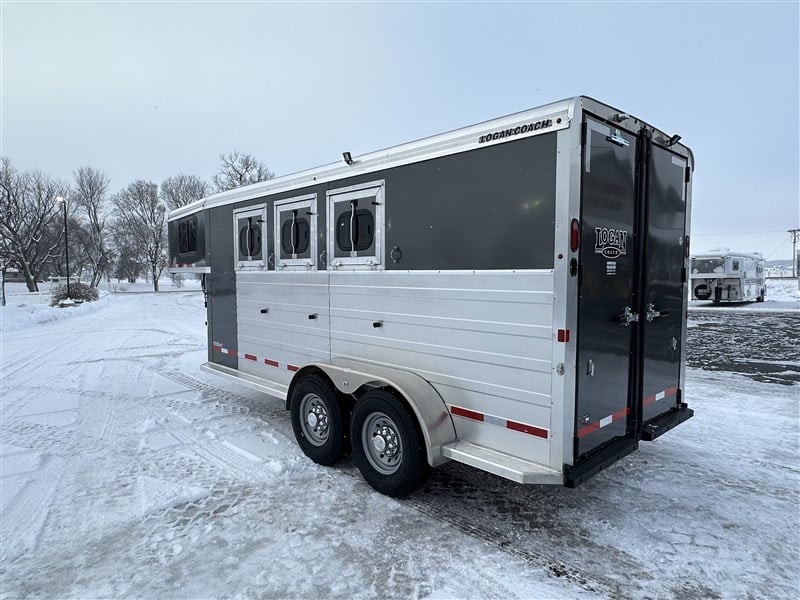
{"x": 616, "y": 138}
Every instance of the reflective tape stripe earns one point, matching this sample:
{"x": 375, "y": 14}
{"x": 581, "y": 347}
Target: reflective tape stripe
{"x": 624, "y": 412}
{"x": 473, "y": 415}
{"x": 660, "y": 396}
{"x": 218, "y": 347}
{"x": 466, "y": 413}
{"x": 604, "y": 422}
{"x": 529, "y": 429}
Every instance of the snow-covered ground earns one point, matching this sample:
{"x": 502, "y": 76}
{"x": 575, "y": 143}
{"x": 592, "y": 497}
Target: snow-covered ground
{"x": 125, "y": 471}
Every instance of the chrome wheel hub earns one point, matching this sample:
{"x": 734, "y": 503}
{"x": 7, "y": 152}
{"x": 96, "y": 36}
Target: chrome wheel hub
{"x": 315, "y": 421}
{"x": 382, "y": 444}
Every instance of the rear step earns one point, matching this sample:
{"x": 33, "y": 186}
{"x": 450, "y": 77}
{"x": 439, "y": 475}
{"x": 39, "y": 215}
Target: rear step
{"x": 492, "y": 461}
{"x": 661, "y": 425}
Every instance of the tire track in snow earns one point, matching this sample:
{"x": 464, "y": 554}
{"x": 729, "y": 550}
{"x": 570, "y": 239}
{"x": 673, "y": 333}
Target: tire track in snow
{"x": 264, "y": 408}
{"x": 504, "y": 514}
{"x": 490, "y": 509}
{"x": 23, "y": 520}
{"x": 486, "y": 511}
{"x": 201, "y": 459}
{"x": 435, "y": 506}
{"x": 218, "y": 451}
{"x": 38, "y": 437}
{"x": 11, "y": 369}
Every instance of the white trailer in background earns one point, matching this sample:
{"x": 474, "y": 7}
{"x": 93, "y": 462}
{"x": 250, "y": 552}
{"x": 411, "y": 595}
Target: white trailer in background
{"x": 728, "y": 277}
{"x": 510, "y": 295}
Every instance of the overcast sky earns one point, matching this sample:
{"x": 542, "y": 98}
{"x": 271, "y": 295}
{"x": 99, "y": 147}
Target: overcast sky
{"x": 149, "y": 90}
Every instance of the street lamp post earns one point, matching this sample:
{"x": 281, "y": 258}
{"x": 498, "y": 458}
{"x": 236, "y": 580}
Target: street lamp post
{"x": 63, "y": 201}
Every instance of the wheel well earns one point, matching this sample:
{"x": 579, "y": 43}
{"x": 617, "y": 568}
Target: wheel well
{"x": 417, "y": 396}
{"x": 398, "y": 395}
{"x": 309, "y": 370}
{"x": 345, "y": 400}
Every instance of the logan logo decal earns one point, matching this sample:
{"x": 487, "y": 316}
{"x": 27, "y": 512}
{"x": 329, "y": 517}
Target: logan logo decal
{"x": 611, "y": 243}
{"x": 512, "y": 131}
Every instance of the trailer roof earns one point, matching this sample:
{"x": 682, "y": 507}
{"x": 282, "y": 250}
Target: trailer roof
{"x": 540, "y": 120}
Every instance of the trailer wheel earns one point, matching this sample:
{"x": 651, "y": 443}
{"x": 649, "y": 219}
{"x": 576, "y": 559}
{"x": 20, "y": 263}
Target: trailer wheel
{"x": 387, "y": 446}
{"x": 318, "y": 421}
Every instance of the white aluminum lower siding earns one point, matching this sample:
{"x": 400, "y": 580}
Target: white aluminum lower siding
{"x": 483, "y": 339}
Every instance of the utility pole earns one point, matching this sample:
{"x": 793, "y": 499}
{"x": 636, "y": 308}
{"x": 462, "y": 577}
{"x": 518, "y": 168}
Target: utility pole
{"x": 795, "y": 233}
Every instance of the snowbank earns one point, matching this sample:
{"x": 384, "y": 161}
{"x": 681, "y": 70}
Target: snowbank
{"x": 24, "y": 308}
{"x": 20, "y": 314}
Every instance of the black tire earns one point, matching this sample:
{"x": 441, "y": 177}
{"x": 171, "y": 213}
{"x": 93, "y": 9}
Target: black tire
{"x": 319, "y": 423}
{"x": 387, "y": 445}
{"x": 760, "y": 296}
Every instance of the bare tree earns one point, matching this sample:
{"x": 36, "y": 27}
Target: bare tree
{"x": 90, "y": 196}
{"x": 180, "y": 190}
{"x": 4, "y": 266}
{"x": 236, "y": 170}
{"x": 29, "y": 224}
{"x": 142, "y": 215}
{"x": 127, "y": 262}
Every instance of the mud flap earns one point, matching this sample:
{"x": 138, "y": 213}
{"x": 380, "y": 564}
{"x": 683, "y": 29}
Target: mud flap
{"x": 598, "y": 461}
{"x": 662, "y": 424}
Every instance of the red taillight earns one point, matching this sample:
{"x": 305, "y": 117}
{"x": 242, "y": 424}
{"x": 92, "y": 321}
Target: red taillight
{"x": 574, "y": 235}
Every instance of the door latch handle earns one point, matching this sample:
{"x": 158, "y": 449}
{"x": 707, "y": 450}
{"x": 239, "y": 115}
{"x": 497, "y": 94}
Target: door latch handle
{"x": 628, "y": 316}
{"x": 590, "y": 368}
{"x": 652, "y": 313}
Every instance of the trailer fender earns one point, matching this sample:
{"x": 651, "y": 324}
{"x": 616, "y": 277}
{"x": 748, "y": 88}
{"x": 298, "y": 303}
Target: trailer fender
{"x": 430, "y": 410}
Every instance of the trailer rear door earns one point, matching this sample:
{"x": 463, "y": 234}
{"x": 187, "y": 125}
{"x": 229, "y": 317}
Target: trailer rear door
{"x": 631, "y": 294}
{"x": 606, "y": 306}
{"x": 664, "y": 294}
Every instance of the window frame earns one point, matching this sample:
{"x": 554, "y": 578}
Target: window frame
{"x": 376, "y": 191}
{"x": 259, "y": 211}
{"x": 308, "y": 201}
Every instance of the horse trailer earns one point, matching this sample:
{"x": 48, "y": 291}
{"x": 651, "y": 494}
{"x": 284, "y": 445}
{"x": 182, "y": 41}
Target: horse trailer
{"x": 728, "y": 277}
{"x": 510, "y": 295}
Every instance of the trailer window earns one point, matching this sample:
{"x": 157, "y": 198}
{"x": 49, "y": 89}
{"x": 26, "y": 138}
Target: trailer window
{"x": 249, "y": 231}
{"x": 355, "y": 229}
{"x": 708, "y": 265}
{"x": 355, "y": 225}
{"x": 296, "y": 232}
{"x": 249, "y": 239}
{"x": 187, "y": 236}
